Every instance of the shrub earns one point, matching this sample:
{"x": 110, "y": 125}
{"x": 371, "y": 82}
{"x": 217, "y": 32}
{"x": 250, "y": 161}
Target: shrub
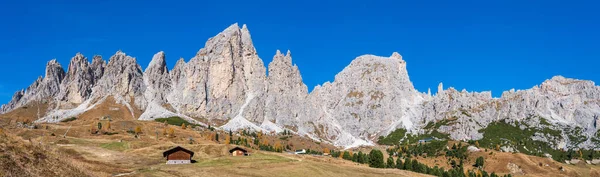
{"x": 69, "y": 119}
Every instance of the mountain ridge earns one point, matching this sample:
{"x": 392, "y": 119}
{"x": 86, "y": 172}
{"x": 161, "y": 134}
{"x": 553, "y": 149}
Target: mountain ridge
{"x": 371, "y": 97}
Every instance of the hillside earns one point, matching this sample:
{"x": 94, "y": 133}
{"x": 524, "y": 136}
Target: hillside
{"x": 22, "y": 158}
{"x": 82, "y": 153}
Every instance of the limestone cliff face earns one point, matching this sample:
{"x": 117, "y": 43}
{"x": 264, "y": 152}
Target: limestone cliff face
{"x": 285, "y": 90}
{"x": 122, "y": 79}
{"x": 369, "y": 97}
{"x": 216, "y": 82}
{"x": 78, "y": 82}
{"x": 226, "y": 82}
{"x": 43, "y": 90}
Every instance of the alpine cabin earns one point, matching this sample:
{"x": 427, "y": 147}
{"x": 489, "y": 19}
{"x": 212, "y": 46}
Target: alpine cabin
{"x": 238, "y": 151}
{"x": 178, "y": 155}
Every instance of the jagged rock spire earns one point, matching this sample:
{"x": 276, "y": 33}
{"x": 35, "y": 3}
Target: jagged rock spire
{"x": 79, "y": 81}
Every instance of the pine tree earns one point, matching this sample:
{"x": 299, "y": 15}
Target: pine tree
{"x": 407, "y": 164}
{"x": 399, "y": 164}
{"x": 390, "y": 162}
{"x": 376, "y": 159}
{"x": 479, "y": 162}
{"x": 415, "y": 166}
{"x": 360, "y": 157}
{"x": 346, "y": 156}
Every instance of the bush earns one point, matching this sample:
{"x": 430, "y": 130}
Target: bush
{"x": 69, "y": 119}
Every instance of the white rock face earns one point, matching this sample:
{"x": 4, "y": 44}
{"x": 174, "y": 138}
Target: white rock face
{"x": 43, "y": 90}
{"x": 79, "y": 81}
{"x": 157, "y": 80}
{"x": 227, "y": 82}
{"x": 122, "y": 79}
{"x": 285, "y": 90}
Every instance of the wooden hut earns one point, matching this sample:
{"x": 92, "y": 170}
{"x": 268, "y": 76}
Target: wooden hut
{"x": 238, "y": 151}
{"x": 178, "y": 155}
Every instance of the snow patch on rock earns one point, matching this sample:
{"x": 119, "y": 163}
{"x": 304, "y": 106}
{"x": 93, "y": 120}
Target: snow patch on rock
{"x": 239, "y": 122}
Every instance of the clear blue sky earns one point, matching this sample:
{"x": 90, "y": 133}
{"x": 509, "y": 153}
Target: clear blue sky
{"x": 477, "y": 45}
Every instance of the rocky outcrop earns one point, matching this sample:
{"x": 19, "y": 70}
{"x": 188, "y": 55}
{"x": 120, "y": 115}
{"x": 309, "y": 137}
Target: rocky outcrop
{"x": 217, "y": 81}
{"x": 97, "y": 67}
{"x": 78, "y": 82}
{"x": 157, "y": 79}
{"x": 43, "y": 90}
{"x": 371, "y": 96}
{"x": 285, "y": 90}
{"x": 122, "y": 79}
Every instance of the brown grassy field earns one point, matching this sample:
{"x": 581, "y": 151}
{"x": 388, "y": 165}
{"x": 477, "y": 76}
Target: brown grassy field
{"x": 121, "y": 153}
{"x": 81, "y": 153}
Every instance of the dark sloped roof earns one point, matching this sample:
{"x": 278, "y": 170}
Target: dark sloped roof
{"x": 178, "y": 148}
{"x": 237, "y": 148}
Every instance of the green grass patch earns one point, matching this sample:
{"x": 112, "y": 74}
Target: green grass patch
{"x": 400, "y": 136}
{"x": 438, "y": 124}
{"x": 258, "y": 158}
{"x": 177, "y": 121}
{"x": 393, "y": 138}
{"x": 115, "y": 146}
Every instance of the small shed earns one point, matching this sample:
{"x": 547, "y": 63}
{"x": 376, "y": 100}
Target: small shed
{"x": 238, "y": 151}
{"x": 178, "y": 155}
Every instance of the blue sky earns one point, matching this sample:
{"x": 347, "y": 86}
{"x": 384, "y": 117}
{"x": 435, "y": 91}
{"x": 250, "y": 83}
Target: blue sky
{"x": 480, "y": 46}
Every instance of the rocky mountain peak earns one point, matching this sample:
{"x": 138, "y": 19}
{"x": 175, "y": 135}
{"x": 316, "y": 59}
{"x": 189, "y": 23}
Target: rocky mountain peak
{"x": 284, "y": 89}
{"x": 158, "y": 63}
{"x": 97, "y": 67}
{"x": 78, "y": 83}
{"x": 157, "y": 79}
{"x": 122, "y": 78}
{"x": 396, "y": 55}
{"x": 54, "y": 71}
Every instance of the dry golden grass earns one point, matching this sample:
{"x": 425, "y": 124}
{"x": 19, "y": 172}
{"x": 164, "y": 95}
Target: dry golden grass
{"x": 19, "y": 158}
{"x": 106, "y": 155}
{"x": 81, "y": 153}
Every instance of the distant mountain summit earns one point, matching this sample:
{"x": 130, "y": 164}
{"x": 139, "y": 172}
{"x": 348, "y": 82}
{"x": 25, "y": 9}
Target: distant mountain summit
{"x": 226, "y": 84}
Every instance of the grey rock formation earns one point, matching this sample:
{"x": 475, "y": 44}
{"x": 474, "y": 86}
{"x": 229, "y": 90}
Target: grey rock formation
{"x": 122, "y": 79}
{"x": 157, "y": 79}
{"x": 78, "y": 82}
{"x": 370, "y": 97}
{"x": 43, "y": 90}
{"x": 285, "y": 90}
{"x": 217, "y": 81}
{"x": 97, "y": 67}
